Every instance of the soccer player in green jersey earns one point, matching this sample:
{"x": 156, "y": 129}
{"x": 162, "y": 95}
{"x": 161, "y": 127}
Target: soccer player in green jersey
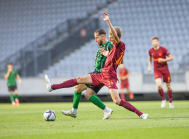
{"x": 11, "y": 75}
{"x": 100, "y": 38}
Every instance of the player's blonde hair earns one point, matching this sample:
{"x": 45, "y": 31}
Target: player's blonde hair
{"x": 118, "y": 31}
{"x": 155, "y": 38}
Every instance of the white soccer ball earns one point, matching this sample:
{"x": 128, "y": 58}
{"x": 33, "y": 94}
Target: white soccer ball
{"x": 49, "y": 115}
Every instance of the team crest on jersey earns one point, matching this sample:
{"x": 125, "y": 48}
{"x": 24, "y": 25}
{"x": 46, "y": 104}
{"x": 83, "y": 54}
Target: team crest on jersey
{"x": 160, "y": 54}
{"x": 110, "y": 83}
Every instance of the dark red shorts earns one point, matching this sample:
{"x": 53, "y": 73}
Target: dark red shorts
{"x": 163, "y": 73}
{"x": 99, "y": 80}
{"x": 124, "y": 84}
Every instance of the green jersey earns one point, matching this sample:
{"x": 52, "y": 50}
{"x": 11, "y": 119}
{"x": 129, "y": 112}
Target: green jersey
{"x": 11, "y": 81}
{"x": 100, "y": 59}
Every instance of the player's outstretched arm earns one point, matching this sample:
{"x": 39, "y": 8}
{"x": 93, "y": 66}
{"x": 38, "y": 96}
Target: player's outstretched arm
{"x": 106, "y": 18}
{"x": 149, "y": 63}
{"x": 19, "y": 79}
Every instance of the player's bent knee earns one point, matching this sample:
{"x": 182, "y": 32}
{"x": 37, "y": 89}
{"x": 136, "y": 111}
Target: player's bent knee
{"x": 87, "y": 96}
{"x": 78, "y": 89}
{"x": 117, "y": 101}
{"x": 169, "y": 88}
{"x": 159, "y": 87}
{"x": 78, "y": 79}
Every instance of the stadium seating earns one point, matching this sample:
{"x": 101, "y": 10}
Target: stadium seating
{"x": 23, "y": 21}
{"x": 140, "y": 21}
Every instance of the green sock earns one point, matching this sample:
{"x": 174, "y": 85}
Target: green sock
{"x": 11, "y": 98}
{"x": 16, "y": 96}
{"x": 95, "y": 100}
{"x": 76, "y": 99}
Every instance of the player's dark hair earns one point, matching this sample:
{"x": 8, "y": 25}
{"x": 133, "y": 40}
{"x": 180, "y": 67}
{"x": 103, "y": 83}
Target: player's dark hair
{"x": 100, "y": 32}
{"x": 9, "y": 64}
{"x": 155, "y": 38}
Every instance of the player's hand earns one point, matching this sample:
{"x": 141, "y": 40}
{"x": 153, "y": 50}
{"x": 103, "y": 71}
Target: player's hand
{"x": 101, "y": 70}
{"x": 9, "y": 70}
{"x": 106, "y": 17}
{"x": 104, "y": 52}
{"x": 149, "y": 69}
{"x": 161, "y": 60}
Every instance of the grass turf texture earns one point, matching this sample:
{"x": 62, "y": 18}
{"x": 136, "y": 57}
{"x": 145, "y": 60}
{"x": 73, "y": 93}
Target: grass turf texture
{"x": 26, "y": 121}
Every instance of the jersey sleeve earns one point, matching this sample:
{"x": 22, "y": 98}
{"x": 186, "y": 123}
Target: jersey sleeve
{"x": 150, "y": 53}
{"x": 166, "y": 52}
{"x": 110, "y": 47}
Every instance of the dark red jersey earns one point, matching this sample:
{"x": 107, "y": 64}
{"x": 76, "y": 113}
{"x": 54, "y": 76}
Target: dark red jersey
{"x": 113, "y": 60}
{"x": 156, "y": 54}
{"x": 123, "y": 72}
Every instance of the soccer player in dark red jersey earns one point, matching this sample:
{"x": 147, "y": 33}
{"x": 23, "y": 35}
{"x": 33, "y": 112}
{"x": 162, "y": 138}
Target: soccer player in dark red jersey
{"x": 159, "y": 53}
{"x": 108, "y": 75}
{"x": 124, "y": 82}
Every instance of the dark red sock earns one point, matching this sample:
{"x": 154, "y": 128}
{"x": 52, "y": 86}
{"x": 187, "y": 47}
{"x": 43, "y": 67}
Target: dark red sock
{"x": 161, "y": 93}
{"x": 66, "y": 84}
{"x": 130, "y": 107}
{"x": 170, "y": 95}
{"x": 122, "y": 96}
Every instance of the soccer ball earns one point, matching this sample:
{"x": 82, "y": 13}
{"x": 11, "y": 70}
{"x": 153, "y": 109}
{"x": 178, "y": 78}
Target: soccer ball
{"x": 49, "y": 115}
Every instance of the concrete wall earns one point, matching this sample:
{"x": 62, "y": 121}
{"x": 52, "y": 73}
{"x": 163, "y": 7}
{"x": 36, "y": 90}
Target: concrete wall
{"x": 37, "y": 87}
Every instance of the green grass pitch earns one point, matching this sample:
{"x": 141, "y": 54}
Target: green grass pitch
{"x": 26, "y": 121}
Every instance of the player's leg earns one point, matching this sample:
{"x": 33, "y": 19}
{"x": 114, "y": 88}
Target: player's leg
{"x": 10, "y": 89}
{"x": 122, "y": 95}
{"x": 90, "y": 95}
{"x": 122, "y": 87}
{"x": 131, "y": 95}
{"x": 16, "y": 97}
{"x": 125, "y": 104}
{"x": 76, "y": 99}
{"x": 169, "y": 92}
{"x": 160, "y": 90}
{"x": 11, "y": 97}
{"x": 69, "y": 83}
{"x": 77, "y": 94}
{"x": 167, "y": 80}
